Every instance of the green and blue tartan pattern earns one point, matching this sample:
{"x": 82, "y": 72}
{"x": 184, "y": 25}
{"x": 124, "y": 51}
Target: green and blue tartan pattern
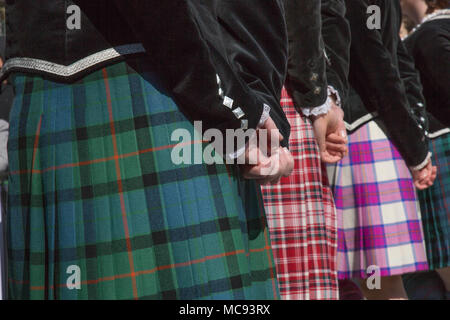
{"x": 92, "y": 185}
{"x": 435, "y": 207}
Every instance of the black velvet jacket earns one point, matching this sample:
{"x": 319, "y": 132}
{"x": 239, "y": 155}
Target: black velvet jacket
{"x": 384, "y": 82}
{"x": 206, "y": 53}
{"x": 319, "y": 44}
{"x": 337, "y": 37}
{"x": 429, "y": 44}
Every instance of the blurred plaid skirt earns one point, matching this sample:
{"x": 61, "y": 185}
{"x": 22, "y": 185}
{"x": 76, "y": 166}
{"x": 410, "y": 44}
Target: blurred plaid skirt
{"x": 302, "y": 219}
{"x": 97, "y": 209}
{"x": 435, "y": 206}
{"x": 378, "y": 213}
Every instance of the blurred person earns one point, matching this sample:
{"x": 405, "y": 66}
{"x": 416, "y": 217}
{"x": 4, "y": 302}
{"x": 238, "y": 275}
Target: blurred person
{"x": 406, "y": 27}
{"x": 379, "y": 222}
{"x": 6, "y": 96}
{"x": 429, "y": 44}
{"x": 300, "y": 208}
{"x": 97, "y": 207}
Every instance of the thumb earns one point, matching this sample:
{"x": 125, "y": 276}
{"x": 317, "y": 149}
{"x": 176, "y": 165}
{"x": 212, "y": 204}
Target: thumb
{"x": 270, "y": 126}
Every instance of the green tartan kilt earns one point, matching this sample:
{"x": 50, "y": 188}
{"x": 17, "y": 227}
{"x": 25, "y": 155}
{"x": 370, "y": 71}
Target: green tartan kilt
{"x": 98, "y": 210}
{"x": 435, "y": 206}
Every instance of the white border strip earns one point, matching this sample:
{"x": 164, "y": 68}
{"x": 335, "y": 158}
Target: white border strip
{"x": 360, "y": 121}
{"x": 438, "y": 133}
{"x": 74, "y": 68}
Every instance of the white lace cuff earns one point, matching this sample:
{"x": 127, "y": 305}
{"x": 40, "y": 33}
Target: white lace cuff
{"x": 265, "y": 115}
{"x": 423, "y": 164}
{"x": 332, "y": 91}
{"x": 324, "y": 108}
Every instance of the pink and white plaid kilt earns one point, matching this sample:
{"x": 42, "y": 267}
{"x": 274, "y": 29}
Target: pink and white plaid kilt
{"x": 302, "y": 219}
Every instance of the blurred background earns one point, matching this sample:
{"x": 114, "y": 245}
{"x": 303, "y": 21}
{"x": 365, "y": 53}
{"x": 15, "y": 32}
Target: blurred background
{"x": 2, "y": 17}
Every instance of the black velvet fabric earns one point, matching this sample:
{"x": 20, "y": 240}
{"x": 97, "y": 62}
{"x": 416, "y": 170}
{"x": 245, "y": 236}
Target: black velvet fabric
{"x": 430, "y": 47}
{"x": 383, "y": 79}
{"x": 188, "y": 43}
{"x": 319, "y": 45}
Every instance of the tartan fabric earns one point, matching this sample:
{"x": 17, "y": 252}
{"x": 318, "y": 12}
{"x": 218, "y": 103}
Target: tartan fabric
{"x": 92, "y": 185}
{"x": 302, "y": 219}
{"x": 435, "y": 207}
{"x": 378, "y": 213}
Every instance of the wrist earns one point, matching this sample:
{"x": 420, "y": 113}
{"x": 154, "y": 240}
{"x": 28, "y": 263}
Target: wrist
{"x": 423, "y": 164}
{"x": 313, "y": 118}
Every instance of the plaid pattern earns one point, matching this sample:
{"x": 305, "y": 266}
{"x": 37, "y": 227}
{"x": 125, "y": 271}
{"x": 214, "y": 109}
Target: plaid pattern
{"x": 302, "y": 219}
{"x": 435, "y": 206}
{"x": 378, "y": 216}
{"x": 92, "y": 185}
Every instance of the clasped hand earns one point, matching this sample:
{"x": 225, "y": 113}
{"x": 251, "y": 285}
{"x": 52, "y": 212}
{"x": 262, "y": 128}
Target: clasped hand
{"x": 331, "y": 134}
{"x": 268, "y": 163}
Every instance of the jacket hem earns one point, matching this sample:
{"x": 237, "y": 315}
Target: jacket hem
{"x": 38, "y": 65}
{"x": 358, "y": 123}
{"x": 423, "y": 164}
{"x": 438, "y": 133}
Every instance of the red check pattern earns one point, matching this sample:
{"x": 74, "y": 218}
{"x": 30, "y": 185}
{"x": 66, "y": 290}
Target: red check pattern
{"x": 302, "y": 219}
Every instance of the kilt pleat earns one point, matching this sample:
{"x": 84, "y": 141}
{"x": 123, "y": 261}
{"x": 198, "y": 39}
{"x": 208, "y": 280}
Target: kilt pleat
{"x": 96, "y": 200}
{"x": 379, "y": 221}
{"x": 435, "y": 206}
{"x": 302, "y": 219}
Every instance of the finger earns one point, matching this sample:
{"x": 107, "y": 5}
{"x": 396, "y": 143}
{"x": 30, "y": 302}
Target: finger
{"x": 419, "y": 186}
{"x": 277, "y": 164}
{"x": 342, "y": 130}
{"x": 257, "y": 171}
{"x": 434, "y": 171}
{"x": 423, "y": 175}
{"x": 335, "y": 154}
{"x": 286, "y": 165}
{"x": 336, "y": 138}
{"x": 328, "y": 158}
{"x": 433, "y": 176}
{"x": 282, "y": 166}
{"x": 290, "y": 161}
{"x": 270, "y": 126}
{"x": 425, "y": 182}
{"x": 336, "y": 147}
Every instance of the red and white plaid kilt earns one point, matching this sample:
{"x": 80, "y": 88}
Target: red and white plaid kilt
{"x": 302, "y": 219}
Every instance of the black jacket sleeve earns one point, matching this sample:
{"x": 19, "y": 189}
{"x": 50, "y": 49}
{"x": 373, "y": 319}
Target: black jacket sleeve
{"x": 182, "y": 54}
{"x": 384, "y": 85}
{"x": 306, "y": 79}
{"x": 411, "y": 80}
{"x": 433, "y": 54}
{"x": 437, "y": 64}
{"x": 337, "y": 38}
